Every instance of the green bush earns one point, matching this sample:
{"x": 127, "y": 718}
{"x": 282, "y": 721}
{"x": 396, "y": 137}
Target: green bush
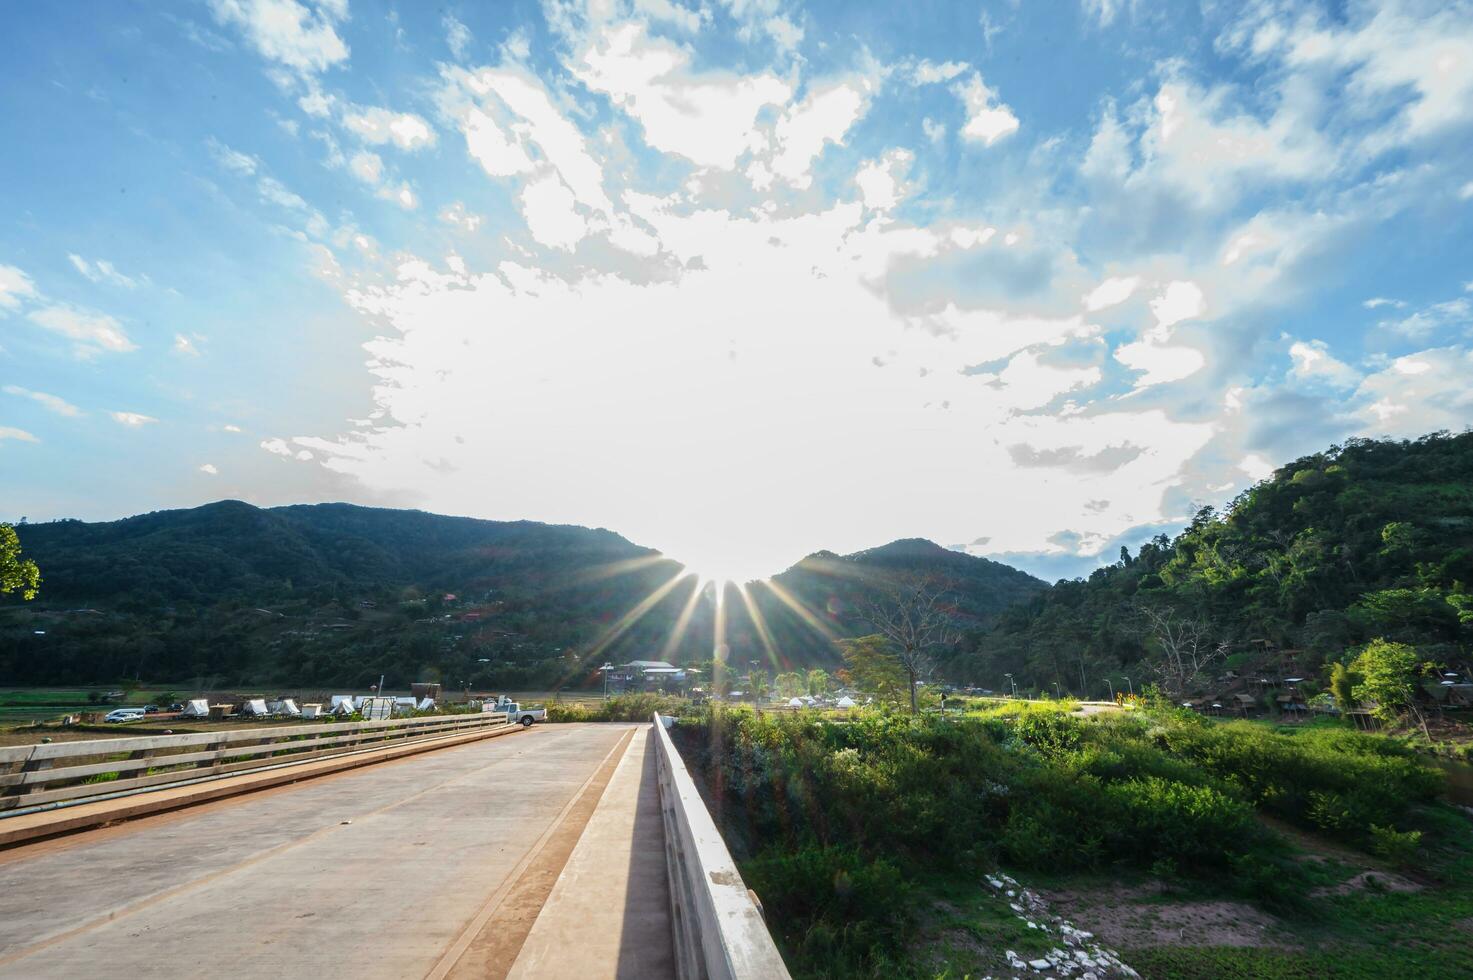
{"x": 835, "y": 913}
{"x": 623, "y": 707}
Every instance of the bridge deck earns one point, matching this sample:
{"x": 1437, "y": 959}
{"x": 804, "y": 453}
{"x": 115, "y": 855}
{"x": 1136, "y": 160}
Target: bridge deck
{"x": 443, "y": 865}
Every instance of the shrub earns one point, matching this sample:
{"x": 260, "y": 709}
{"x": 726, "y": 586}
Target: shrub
{"x": 622, "y": 707}
{"x": 1394, "y": 845}
{"x": 835, "y": 912}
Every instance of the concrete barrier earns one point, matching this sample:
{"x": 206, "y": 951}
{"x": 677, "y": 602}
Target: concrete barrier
{"x": 719, "y": 931}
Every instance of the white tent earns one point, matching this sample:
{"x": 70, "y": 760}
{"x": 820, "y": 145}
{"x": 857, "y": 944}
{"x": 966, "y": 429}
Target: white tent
{"x": 343, "y": 707}
{"x": 311, "y": 710}
{"x": 425, "y": 704}
{"x": 845, "y": 702}
{"x": 795, "y": 703}
{"x": 256, "y": 707}
{"x": 338, "y": 699}
{"x": 286, "y": 706}
{"x": 197, "y": 708}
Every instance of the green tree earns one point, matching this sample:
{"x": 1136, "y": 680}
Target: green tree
{"x": 1388, "y": 677}
{"x": 790, "y": 684}
{"x": 1342, "y": 684}
{"x": 17, "y": 574}
{"x": 818, "y": 681}
{"x": 757, "y": 687}
{"x": 875, "y": 669}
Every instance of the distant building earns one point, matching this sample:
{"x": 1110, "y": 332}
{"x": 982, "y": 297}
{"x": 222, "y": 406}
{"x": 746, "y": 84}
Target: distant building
{"x": 646, "y": 675}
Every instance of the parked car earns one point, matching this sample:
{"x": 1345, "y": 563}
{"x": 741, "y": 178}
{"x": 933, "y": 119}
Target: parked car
{"x": 517, "y": 714}
{"x": 150, "y": 709}
{"x": 118, "y": 715}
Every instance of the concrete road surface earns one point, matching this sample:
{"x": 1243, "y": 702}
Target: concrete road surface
{"x": 395, "y": 870}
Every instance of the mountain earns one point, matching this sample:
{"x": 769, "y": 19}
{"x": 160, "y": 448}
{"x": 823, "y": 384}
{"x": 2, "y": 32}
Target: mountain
{"x": 1366, "y": 539}
{"x": 229, "y": 593}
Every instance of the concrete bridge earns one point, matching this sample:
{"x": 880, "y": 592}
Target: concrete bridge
{"x": 578, "y": 851}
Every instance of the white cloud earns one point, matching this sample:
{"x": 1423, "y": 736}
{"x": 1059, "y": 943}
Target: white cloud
{"x": 824, "y": 116}
{"x": 1413, "y": 59}
{"x": 101, "y": 270}
{"x": 669, "y": 12}
{"x": 457, "y": 215}
{"x": 1153, "y": 354}
{"x": 185, "y": 345}
{"x": 367, "y": 167}
{"x": 927, "y": 72}
{"x": 132, "y": 420}
{"x": 497, "y": 153}
{"x": 1103, "y": 12}
{"x": 277, "y": 193}
{"x": 548, "y": 206}
{"x": 15, "y": 286}
{"x": 276, "y": 446}
{"x": 457, "y": 36}
{"x": 376, "y": 125}
{"x": 1419, "y": 393}
{"x": 231, "y": 428}
{"x": 1376, "y": 302}
{"x": 285, "y": 31}
{"x": 935, "y": 131}
{"x": 403, "y": 195}
{"x": 882, "y": 182}
{"x": 1180, "y": 301}
{"x": 1158, "y": 362}
{"x": 708, "y": 117}
{"x": 19, "y": 435}
{"x": 209, "y": 469}
{"x": 1111, "y": 292}
{"x": 513, "y": 115}
{"x": 52, "y": 403}
{"x": 988, "y": 119}
{"x": 232, "y": 160}
{"x": 1312, "y": 361}
{"x": 1453, "y": 313}
{"x": 91, "y": 332}
{"x": 738, "y": 391}
{"x": 1256, "y": 467}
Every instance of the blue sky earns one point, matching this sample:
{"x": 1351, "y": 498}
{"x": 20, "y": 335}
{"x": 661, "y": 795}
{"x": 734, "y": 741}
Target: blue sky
{"x": 740, "y": 279}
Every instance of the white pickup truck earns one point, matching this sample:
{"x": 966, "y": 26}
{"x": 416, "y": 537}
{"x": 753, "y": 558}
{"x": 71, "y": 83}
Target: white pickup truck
{"x": 516, "y": 713}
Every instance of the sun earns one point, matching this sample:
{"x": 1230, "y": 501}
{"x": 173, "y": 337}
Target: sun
{"x": 724, "y": 568}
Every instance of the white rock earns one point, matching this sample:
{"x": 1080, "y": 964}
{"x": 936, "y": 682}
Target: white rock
{"x": 1040, "y": 964}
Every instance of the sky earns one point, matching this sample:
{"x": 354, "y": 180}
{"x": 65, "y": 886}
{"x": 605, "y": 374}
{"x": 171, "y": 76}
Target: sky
{"x": 738, "y": 279}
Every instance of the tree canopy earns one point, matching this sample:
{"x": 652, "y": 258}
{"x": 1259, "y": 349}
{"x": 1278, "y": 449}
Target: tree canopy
{"x": 17, "y": 574}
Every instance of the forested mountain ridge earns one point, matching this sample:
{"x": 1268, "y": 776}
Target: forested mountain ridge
{"x": 1367, "y": 539}
{"x": 336, "y": 593}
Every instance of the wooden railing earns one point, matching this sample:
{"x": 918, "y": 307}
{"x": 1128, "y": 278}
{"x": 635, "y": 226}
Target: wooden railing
{"x": 719, "y": 930}
{"x": 66, "y": 772}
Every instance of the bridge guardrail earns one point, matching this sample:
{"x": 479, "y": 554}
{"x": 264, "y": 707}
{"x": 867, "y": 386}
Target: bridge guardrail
{"x": 719, "y": 930}
{"x": 65, "y": 772}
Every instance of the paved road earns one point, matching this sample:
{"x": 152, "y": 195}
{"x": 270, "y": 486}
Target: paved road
{"x": 390, "y": 871}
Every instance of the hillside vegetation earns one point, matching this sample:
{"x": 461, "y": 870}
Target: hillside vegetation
{"x": 229, "y": 593}
{"x": 1369, "y": 539}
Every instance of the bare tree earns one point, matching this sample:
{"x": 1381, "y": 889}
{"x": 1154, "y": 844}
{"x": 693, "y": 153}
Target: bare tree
{"x": 911, "y": 612}
{"x": 1186, "y": 643}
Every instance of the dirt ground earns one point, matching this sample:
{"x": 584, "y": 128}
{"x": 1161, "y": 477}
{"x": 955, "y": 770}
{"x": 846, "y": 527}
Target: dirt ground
{"x": 1134, "y": 916}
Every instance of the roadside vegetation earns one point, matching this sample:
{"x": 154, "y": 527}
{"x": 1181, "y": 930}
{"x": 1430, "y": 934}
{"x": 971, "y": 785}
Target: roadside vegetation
{"x": 868, "y": 840}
